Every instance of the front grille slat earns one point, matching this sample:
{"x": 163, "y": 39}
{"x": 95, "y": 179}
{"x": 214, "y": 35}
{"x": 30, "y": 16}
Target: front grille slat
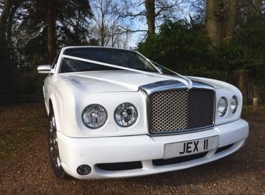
{"x": 178, "y": 110}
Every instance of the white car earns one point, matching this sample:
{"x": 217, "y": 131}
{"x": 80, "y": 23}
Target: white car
{"x": 114, "y": 113}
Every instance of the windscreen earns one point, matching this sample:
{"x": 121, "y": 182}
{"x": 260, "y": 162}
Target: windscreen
{"x": 118, "y": 57}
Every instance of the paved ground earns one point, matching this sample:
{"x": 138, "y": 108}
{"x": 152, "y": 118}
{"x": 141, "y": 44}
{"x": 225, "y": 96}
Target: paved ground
{"x": 25, "y": 169}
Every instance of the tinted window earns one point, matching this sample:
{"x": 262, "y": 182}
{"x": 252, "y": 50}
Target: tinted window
{"x": 124, "y": 58}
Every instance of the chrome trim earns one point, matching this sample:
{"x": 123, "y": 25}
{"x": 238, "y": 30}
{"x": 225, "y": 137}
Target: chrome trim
{"x": 171, "y": 84}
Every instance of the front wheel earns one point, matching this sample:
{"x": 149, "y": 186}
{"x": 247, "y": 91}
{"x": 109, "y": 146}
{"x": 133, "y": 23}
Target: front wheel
{"x": 54, "y": 149}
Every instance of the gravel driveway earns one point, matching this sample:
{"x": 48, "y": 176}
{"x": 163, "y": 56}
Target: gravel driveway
{"x": 25, "y": 168}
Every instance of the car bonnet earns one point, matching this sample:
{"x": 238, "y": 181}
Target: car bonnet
{"x": 112, "y": 80}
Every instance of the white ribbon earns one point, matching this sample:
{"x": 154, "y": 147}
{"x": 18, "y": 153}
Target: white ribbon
{"x": 181, "y": 78}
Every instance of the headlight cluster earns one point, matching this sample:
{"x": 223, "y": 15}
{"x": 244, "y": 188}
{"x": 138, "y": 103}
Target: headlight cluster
{"x": 223, "y": 105}
{"x": 95, "y": 116}
{"x": 125, "y": 115}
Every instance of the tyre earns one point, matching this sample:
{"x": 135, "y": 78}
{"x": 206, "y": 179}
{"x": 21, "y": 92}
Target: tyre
{"x": 53, "y": 148}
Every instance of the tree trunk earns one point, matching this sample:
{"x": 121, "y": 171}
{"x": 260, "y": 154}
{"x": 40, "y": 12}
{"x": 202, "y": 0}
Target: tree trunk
{"x": 150, "y": 16}
{"x": 7, "y": 66}
{"x": 10, "y": 23}
{"x": 258, "y": 6}
{"x": 230, "y": 21}
{"x": 214, "y": 21}
{"x": 51, "y": 31}
{"x": 102, "y": 31}
{"x": 3, "y": 22}
{"x": 5, "y": 12}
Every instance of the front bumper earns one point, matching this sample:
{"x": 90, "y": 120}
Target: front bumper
{"x": 143, "y": 150}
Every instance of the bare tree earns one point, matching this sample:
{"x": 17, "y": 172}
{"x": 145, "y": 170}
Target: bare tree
{"x": 151, "y": 11}
{"x": 110, "y": 28}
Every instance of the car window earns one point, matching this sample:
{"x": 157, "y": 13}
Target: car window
{"x": 123, "y": 58}
{"x": 70, "y": 65}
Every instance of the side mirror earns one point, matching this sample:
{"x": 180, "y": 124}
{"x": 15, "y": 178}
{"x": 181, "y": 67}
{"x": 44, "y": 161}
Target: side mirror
{"x": 44, "y": 69}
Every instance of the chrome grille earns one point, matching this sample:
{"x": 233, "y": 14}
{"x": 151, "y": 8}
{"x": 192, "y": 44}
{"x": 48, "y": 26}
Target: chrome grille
{"x": 179, "y": 110}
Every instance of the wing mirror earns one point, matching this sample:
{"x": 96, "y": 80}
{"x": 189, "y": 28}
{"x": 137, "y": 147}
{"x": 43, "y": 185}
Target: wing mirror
{"x": 45, "y": 69}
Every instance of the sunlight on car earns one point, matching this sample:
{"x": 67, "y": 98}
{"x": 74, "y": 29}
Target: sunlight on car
{"x": 114, "y": 113}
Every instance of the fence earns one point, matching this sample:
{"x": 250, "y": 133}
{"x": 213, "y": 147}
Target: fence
{"x": 250, "y": 88}
{"x": 30, "y": 85}
{"x": 256, "y": 89}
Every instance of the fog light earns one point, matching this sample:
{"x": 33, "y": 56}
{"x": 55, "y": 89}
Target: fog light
{"x": 83, "y": 170}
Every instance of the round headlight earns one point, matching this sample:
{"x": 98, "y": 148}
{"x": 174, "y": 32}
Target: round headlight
{"x": 222, "y": 106}
{"x": 94, "y": 116}
{"x": 234, "y": 104}
{"x": 125, "y": 115}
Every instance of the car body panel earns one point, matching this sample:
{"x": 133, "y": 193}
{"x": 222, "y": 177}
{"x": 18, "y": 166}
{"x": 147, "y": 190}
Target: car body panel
{"x": 145, "y": 149}
{"x": 68, "y": 94}
{"x": 110, "y": 81}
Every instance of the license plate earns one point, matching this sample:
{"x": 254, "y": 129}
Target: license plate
{"x": 172, "y": 150}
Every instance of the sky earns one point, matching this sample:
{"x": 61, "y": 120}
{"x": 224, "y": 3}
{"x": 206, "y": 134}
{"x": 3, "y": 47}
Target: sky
{"x": 140, "y": 24}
